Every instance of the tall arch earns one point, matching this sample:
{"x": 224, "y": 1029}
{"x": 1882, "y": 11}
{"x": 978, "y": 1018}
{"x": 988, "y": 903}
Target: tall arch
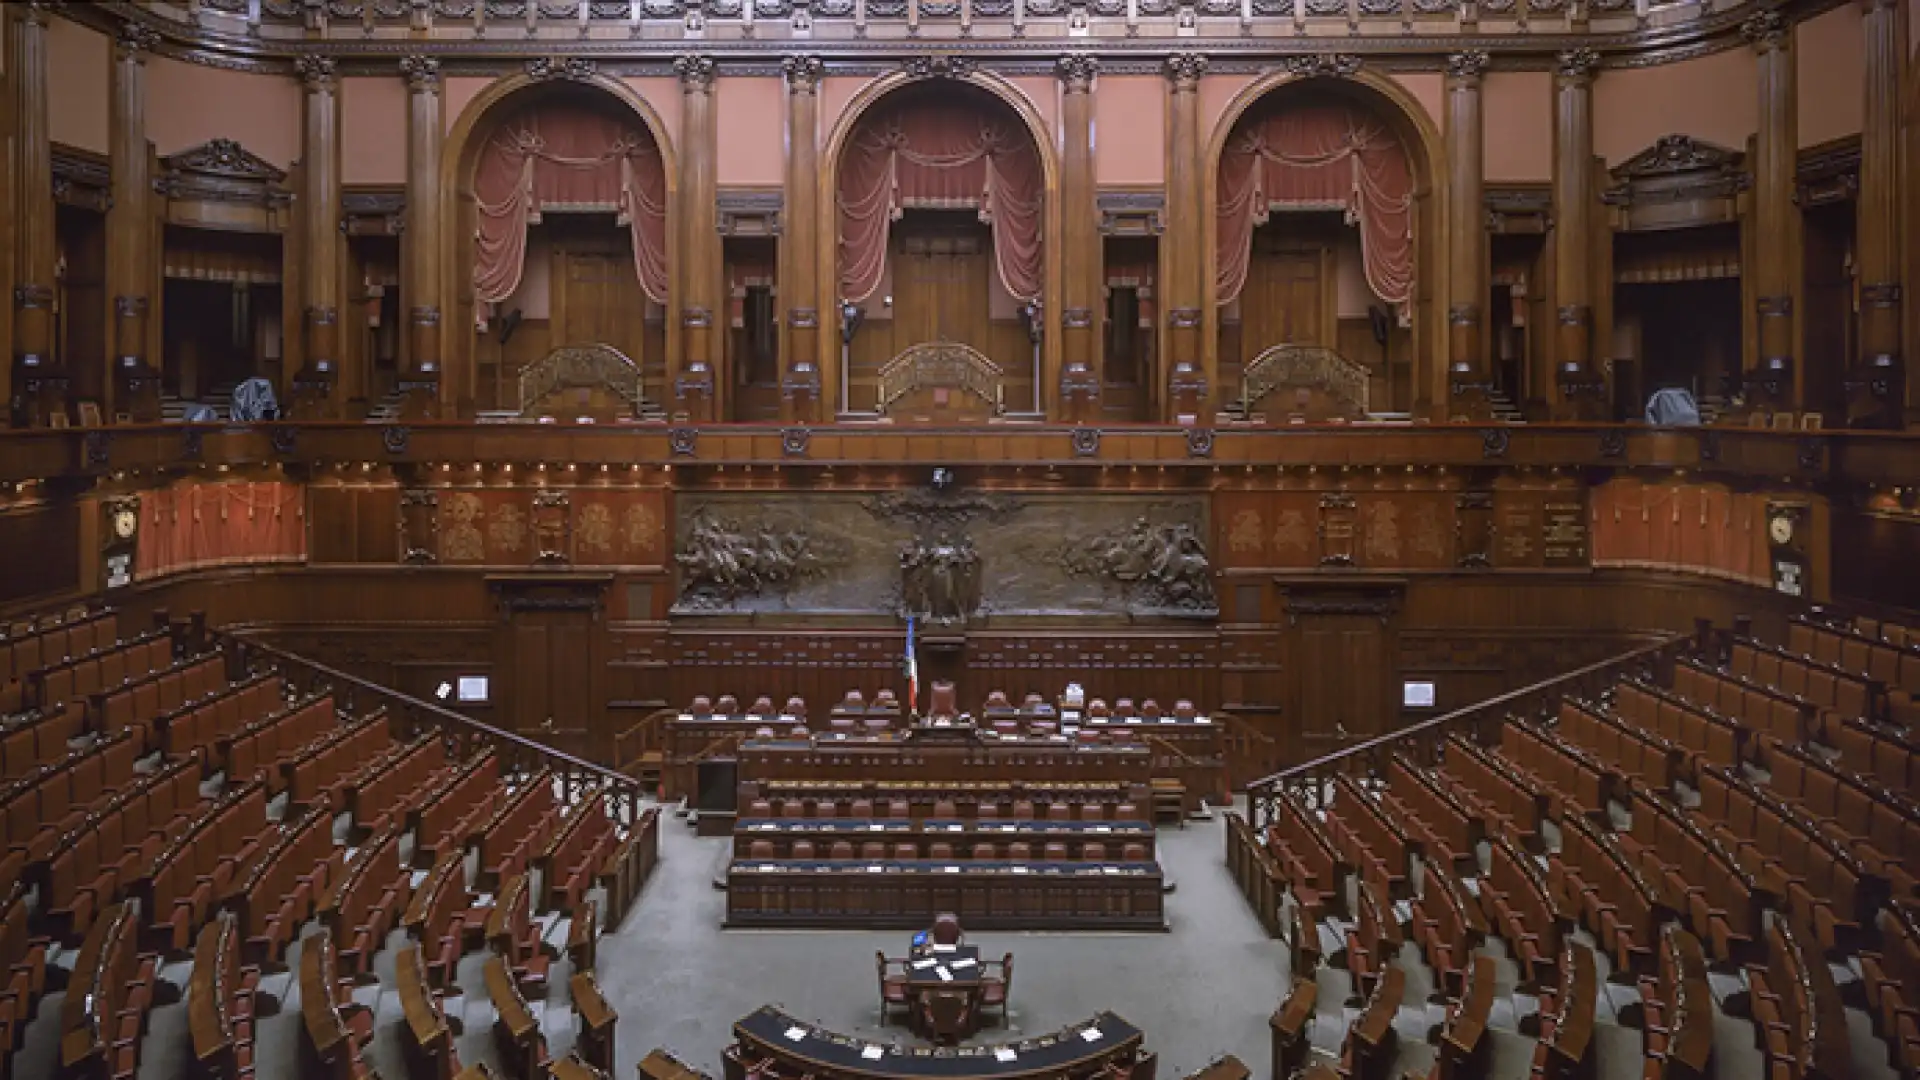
{"x": 827, "y": 269}
{"x": 1426, "y": 153}
{"x": 458, "y": 164}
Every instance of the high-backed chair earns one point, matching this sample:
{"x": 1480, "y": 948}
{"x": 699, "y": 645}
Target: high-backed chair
{"x": 943, "y": 702}
{"x": 1059, "y": 812}
{"x": 1056, "y": 852}
{"x": 854, "y": 702}
{"x": 898, "y": 809}
{"x": 862, "y": 808}
{"x": 1092, "y": 811}
{"x": 728, "y": 705}
{"x": 803, "y": 849}
{"x": 842, "y": 850}
{"x": 792, "y": 808}
{"x": 945, "y": 809}
{"x": 893, "y": 988}
{"x": 986, "y": 810}
{"x": 995, "y": 990}
{"x": 762, "y": 706}
{"x": 1123, "y": 707}
{"x": 1126, "y": 811}
{"x": 939, "y": 851}
{"x": 1093, "y": 851}
{"x": 1149, "y": 710}
{"x": 702, "y": 706}
{"x": 946, "y": 1015}
{"x": 796, "y": 708}
{"x": 1134, "y": 853}
{"x": 997, "y": 702}
{"x": 946, "y": 929}
{"x": 1023, "y": 809}
{"x": 906, "y": 852}
{"x": 1019, "y": 851}
{"x": 759, "y": 808}
{"x": 873, "y": 849}
{"x": 826, "y": 808}
{"x": 760, "y": 849}
{"x": 985, "y": 852}
{"x": 1098, "y": 707}
{"x": 1184, "y": 710}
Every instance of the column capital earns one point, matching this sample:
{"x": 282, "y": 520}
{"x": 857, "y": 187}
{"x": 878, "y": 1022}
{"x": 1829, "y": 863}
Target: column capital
{"x": 803, "y": 73}
{"x": 1468, "y": 66}
{"x": 1184, "y": 70}
{"x": 1577, "y": 65}
{"x": 35, "y": 12}
{"x": 134, "y": 42}
{"x": 1766, "y": 31}
{"x": 696, "y": 72}
{"x": 1076, "y": 72}
{"x": 422, "y": 73}
{"x": 316, "y": 72}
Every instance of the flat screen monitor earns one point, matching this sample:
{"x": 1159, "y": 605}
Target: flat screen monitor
{"x": 472, "y": 688}
{"x": 1416, "y": 694}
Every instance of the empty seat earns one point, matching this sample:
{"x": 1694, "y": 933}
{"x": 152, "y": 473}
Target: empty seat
{"x": 1093, "y": 852}
{"x": 985, "y": 852}
{"x": 863, "y": 808}
{"x": 842, "y": 849}
{"x": 803, "y": 849}
{"x": 1059, "y": 812}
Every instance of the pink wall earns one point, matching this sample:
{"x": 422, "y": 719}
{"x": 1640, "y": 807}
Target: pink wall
{"x": 1429, "y": 89}
{"x": 1129, "y": 130}
{"x": 836, "y": 91}
{"x": 189, "y": 104}
{"x": 373, "y": 130}
{"x": 456, "y": 93}
{"x": 1518, "y": 118}
{"x": 1044, "y": 92}
{"x": 663, "y": 94}
{"x": 752, "y": 131}
{"x": 1715, "y": 98}
{"x": 79, "y": 66}
{"x": 1828, "y": 50}
{"x": 1216, "y": 93}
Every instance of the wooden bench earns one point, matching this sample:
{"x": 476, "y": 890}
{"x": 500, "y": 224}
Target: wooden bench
{"x": 103, "y": 1013}
{"x": 220, "y": 1005}
{"x": 363, "y": 904}
{"x": 1595, "y": 877}
{"x": 1699, "y": 876}
{"x": 1564, "y": 1048}
{"x": 1448, "y": 925}
{"x": 513, "y": 934}
{"x": 1513, "y": 803}
{"x": 438, "y": 916}
{"x": 1797, "y": 1010}
{"x": 573, "y": 859}
{"x": 1465, "y": 1046}
{"x": 1677, "y": 1010}
{"x": 452, "y": 815}
{"x": 1518, "y": 901}
{"x": 1368, "y": 1051}
{"x": 627, "y": 869}
{"x": 518, "y": 830}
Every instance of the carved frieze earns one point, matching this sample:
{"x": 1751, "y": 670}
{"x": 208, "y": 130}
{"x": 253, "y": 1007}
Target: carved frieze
{"x": 222, "y": 170}
{"x": 946, "y": 555}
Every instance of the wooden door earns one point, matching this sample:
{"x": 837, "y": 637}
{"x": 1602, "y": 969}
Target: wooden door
{"x": 1282, "y": 301}
{"x": 596, "y": 296}
{"x": 549, "y": 661}
{"x": 940, "y": 287}
{"x": 1343, "y": 655}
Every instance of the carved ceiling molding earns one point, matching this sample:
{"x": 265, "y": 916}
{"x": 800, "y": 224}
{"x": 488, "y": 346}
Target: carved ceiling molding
{"x": 272, "y": 44}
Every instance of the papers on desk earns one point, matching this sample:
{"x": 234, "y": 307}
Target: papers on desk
{"x": 1202, "y": 720}
{"x": 1109, "y": 869}
{"x": 945, "y": 975}
{"x": 1091, "y": 1035}
{"x": 951, "y": 869}
{"x": 872, "y": 1053}
{"x": 964, "y": 963}
{"x": 1004, "y": 1054}
{"x": 766, "y": 826}
{"x": 786, "y": 718}
{"x": 876, "y": 869}
{"x": 922, "y": 965}
{"x": 956, "y": 827}
{"x": 946, "y": 948}
{"x": 1103, "y": 828}
{"x": 875, "y": 826}
{"x": 1133, "y": 719}
{"x": 1021, "y": 870}
{"x": 686, "y": 716}
{"x": 796, "y": 1033}
{"x": 768, "y": 868}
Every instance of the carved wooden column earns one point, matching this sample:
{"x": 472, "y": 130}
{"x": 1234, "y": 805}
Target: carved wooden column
{"x": 1772, "y": 383}
{"x": 134, "y": 385}
{"x": 1188, "y": 385}
{"x": 314, "y": 384}
{"x": 420, "y": 286}
{"x": 39, "y": 387}
{"x": 1580, "y": 387}
{"x": 800, "y": 227}
{"x": 695, "y": 390}
{"x": 1080, "y": 237}
{"x": 1876, "y": 387}
{"x": 1469, "y": 381}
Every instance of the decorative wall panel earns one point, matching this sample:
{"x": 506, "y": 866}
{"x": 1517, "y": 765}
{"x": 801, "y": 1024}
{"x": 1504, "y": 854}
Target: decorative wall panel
{"x": 949, "y": 556}
{"x": 191, "y": 525}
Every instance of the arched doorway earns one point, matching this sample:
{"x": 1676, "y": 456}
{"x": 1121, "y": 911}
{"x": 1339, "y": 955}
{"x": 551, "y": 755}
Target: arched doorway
{"x": 1323, "y": 240}
{"x": 560, "y": 240}
{"x": 941, "y": 209}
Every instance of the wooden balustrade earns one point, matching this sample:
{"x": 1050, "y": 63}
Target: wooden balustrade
{"x": 409, "y": 717}
{"x": 1314, "y": 780}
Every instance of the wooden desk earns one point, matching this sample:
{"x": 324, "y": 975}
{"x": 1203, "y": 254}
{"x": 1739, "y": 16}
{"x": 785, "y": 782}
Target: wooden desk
{"x": 796, "y": 1049}
{"x": 598, "y": 1022}
{"x": 523, "y": 1050}
{"x": 662, "y": 1065}
{"x": 907, "y": 895}
{"x": 1288, "y": 1025}
{"x": 429, "y": 1042}
{"x": 572, "y": 1068}
{"x": 940, "y": 755}
{"x": 583, "y": 936}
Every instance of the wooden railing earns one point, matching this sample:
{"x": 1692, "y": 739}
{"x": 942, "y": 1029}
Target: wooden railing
{"x": 1481, "y": 721}
{"x": 410, "y": 717}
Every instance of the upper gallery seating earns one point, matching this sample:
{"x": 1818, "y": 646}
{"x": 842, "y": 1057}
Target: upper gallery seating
{"x": 170, "y": 796}
{"x": 1738, "y": 811}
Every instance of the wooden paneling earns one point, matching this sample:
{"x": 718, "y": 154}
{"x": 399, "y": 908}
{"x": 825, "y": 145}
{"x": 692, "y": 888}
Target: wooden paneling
{"x": 42, "y": 550}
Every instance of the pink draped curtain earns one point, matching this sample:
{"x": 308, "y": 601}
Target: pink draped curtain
{"x": 556, "y": 157}
{"x": 942, "y": 156}
{"x": 1319, "y": 157}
